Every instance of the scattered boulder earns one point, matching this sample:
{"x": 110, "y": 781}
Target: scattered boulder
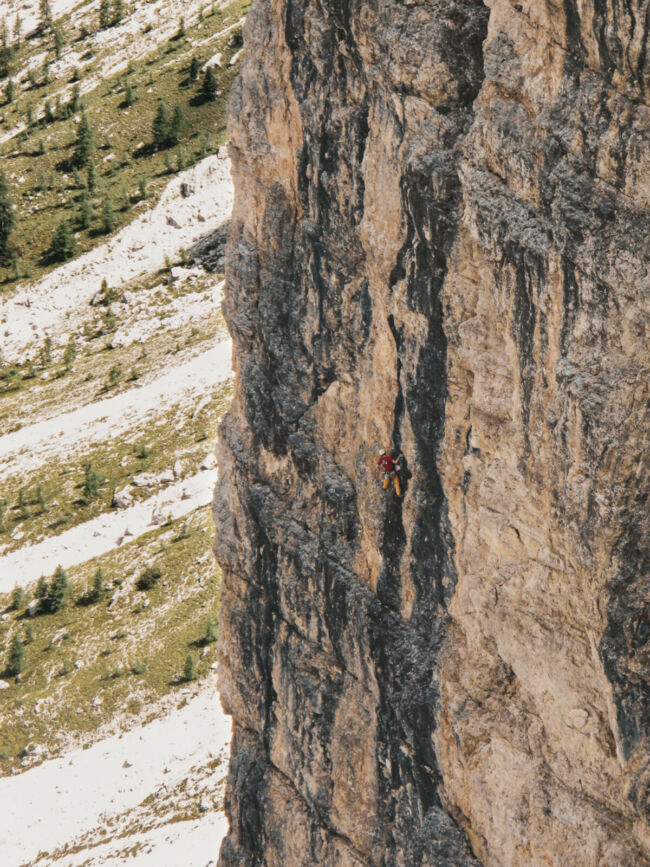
{"x": 4, "y": 684}
{"x": 187, "y": 189}
{"x": 32, "y": 608}
{"x": 178, "y": 469}
{"x": 166, "y": 476}
{"x": 122, "y": 499}
{"x": 172, "y": 222}
{"x": 209, "y": 461}
{"x": 78, "y": 664}
{"x": 203, "y": 806}
{"x": 97, "y": 701}
{"x": 126, "y": 764}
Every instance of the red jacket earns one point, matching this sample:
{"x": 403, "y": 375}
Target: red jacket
{"x": 386, "y": 463}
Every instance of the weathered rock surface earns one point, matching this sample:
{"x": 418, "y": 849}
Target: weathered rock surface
{"x": 439, "y": 243}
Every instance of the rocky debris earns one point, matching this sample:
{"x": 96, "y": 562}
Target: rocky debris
{"x": 171, "y": 221}
{"x": 178, "y": 469}
{"x": 122, "y": 499}
{"x": 32, "y": 608}
{"x": 439, "y": 244}
{"x": 4, "y": 684}
{"x": 209, "y": 461}
{"x": 152, "y": 480}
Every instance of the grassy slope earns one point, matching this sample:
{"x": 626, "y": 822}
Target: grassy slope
{"x": 177, "y": 434}
{"x": 119, "y": 133}
{"x": 50, "y": 385}
{"x": 161, "y": 635}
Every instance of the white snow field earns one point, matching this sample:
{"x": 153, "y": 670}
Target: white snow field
{"x": 50, "y": 805}
{"x": 105, "y": 532}
{"x": 31, "y": 446}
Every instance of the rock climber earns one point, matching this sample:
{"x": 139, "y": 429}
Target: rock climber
{"x": 389, "y": 467}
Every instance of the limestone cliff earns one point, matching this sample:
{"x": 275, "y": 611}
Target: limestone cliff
{"x": 439, "y": 243}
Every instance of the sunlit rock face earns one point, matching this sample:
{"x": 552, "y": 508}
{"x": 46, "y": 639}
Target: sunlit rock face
{"x": 439, "y": 243}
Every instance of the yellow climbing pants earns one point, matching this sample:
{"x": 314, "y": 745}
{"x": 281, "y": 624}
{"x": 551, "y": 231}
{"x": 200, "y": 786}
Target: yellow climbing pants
{"x": 395, "y": 477}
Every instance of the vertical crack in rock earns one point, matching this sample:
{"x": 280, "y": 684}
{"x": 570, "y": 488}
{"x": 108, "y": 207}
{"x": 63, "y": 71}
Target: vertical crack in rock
{"x": 439, "y": 243}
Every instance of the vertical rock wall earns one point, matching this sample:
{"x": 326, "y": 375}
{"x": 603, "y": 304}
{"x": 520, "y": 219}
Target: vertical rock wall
{"x": 440, "y": 243}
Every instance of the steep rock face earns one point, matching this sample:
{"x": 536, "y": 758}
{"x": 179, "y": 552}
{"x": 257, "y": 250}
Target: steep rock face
{"x": 440, "y": 243}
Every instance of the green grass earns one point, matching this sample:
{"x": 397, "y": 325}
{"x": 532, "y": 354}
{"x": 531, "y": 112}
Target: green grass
{"x": 44, "y": 192}
{"x": 107, "y": 640}
{"x": 176, "y": 434}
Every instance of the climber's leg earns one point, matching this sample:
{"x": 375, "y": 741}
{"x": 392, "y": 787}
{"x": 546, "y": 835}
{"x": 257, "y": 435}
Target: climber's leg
{"x": 398, "y": 489}
{"x": 386, "y": 481}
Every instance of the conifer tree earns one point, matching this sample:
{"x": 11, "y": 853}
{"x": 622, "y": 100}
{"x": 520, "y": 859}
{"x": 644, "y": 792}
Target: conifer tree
{"x": 7, "y": 217}
{"x": 49, "y": 114}
{"x": 99, "y": 588}
{"x": 86, "y": 215}
{"x": 75, "y": 101}
{"x": 10, "y": 91}
{"x": 129, "y": 97}
{"x": 211, "y": 633}
{"x": 58, "y": 591}
{"x": 161, "y": 127}
{"x": 40, "y": 496}
{"x": 177, "y": 126}
{"x": 194, "y": 69}
{"x": 16, "y": 656}
{"x": 92, "y": 177}
{"x": 64, "y": 244}
{"x": 209, "y": 86}
{"x": 59, "y": 42}
{"x": 18, "y": 598}
{"x": 91, "y": 483}
{"x": 46, "y": 14}
{"x": 108, "y": 221}
{"x": 191, "y": 671}
{"x": 41, "y": 588}
{"x": 84, "y": 143}
{"x": 22, "y": 503}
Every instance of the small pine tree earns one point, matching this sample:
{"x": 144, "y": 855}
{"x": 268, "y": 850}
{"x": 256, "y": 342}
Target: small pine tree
{"x": 75, "y": 99}
{"x": 129, "y": 96}
{"x": 18, "y": 598}
{"x": 108, "y": 221}
{"x": 104, "y": 14}
{"x": 194, "y": 69}
{"x": 181, "y": 28}
{"x": 177, "y": 126}
{"x": 7, "y": 217}
{"x": 49, "y": 114}
{"x": 92, "y": 177}
{"x": 180, "y": 159}
{"x": 209, "y": 86}
{"x": 161, "y": 127}
{"x": 64, "y": 244}
{"x": 70, "y": 354}
{"x": 16, "y": 656}
{"x": 142, "y": 186}
{"x": 211, "y": 632}
{"x": 29, "y": 634}
{"x": 58, "y": 591}
{"x": 10, "y": 91}
{"x": 45, "y": 14}
{"x": 84, "y": 143}
{"x": 99, "y": 587}
{"x": 59, "y": 42}
{"x": 40, "y": 496}
{"x": 41, "y": 588}
{"x": 86, "y": 214}
{"x": 18, "y": 29}
{"x": 31, "y": 119}
{"x": 15, "y": 265}
{"x": 22, "y": 503}
{"x": 191, "y": 670}
{"x": 91, "y": 483}
{"x": 46, "y": 356}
